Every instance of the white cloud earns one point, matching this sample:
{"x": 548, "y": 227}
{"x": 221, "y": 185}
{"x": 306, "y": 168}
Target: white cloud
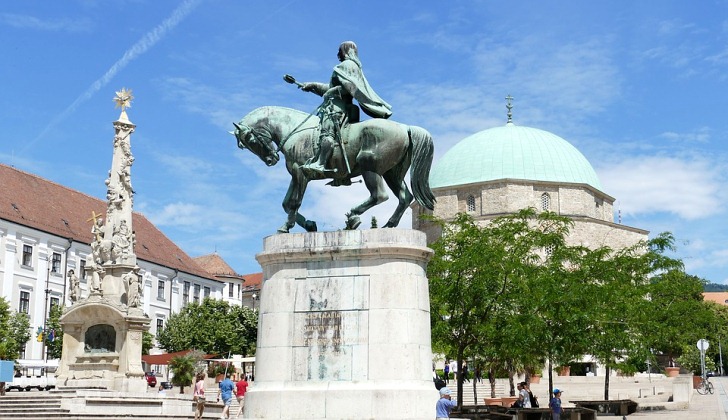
{"x": 689, "y": 188}
{"x": 32, "y": 22}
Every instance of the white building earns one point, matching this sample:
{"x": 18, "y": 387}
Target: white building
{"x": 45, "y": 231}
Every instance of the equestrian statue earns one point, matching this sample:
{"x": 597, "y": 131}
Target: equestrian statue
{"x": 333, "y": 144}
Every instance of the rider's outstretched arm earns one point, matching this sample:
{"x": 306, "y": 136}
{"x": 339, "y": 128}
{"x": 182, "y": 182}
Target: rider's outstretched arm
{"x": 317, "y": 88}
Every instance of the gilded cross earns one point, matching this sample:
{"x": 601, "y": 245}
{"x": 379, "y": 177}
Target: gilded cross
{"x": 94, "y": 217}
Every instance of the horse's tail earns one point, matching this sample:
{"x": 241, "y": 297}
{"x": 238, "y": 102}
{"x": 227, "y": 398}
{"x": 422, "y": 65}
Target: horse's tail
{"x": 423, "y": 151}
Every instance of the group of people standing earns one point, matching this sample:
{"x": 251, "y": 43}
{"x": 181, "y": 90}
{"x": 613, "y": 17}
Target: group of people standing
{"x": 526, "y": 399}
{"x": 226, "y": 387}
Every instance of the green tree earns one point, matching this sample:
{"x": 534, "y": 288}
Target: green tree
{"x": 54, "y": 343}
{"x": 147, "y": 342}
{"x": 185, "y": 368}
{"x": 14, "y": 331}
{"x": 475, "y": 274}
{"x": 213, "y": 327}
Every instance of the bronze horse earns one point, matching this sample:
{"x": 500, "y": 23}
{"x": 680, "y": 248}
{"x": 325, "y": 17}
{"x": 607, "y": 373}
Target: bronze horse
{"x": 376, "y": 149}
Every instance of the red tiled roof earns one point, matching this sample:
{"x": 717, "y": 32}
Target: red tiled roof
{"x": 254, "y": 280}
{"x": 214, "y": 264}
{"x": 32, "y": 201}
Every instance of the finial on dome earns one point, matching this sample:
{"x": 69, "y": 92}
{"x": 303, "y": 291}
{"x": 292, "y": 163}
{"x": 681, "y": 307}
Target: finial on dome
{"x": 509, "y": 106}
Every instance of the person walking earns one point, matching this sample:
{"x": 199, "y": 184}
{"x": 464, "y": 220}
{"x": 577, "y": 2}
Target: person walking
{"x": 555, "y": 405}
{"x": 447, "y": 371}
{"x": 444, "y": 405}
{"x": 198, "y": 396}
{"x": 225, "y": 390}
{"x": 241, "y": 387}
{"x": 525, "y": 396}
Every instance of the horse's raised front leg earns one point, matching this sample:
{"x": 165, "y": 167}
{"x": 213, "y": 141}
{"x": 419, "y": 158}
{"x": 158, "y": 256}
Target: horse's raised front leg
{"x": 377, "y": 195}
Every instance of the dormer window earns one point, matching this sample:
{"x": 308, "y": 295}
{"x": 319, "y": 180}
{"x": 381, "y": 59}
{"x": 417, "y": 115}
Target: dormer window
{"x": 545, "y": 202}
{"x": 471, "y": 203}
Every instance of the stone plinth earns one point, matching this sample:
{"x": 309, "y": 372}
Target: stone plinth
{"x": 344, "y": 330}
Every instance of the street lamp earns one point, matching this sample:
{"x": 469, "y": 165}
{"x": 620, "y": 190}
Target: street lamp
{"x": 255, "y": 297}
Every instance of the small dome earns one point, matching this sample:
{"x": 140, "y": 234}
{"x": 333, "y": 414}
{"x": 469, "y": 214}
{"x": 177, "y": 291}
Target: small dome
{"x": 512, "y": 152}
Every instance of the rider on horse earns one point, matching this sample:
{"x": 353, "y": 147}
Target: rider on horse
{"x": 347, "y": 82}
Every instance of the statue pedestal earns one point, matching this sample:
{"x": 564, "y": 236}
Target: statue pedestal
{"x": 344, "y": 330}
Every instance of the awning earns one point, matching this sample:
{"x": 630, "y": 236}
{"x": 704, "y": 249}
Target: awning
{"x": 164, "y": 358}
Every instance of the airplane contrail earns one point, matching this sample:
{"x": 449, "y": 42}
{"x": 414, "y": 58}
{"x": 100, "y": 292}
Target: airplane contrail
{"x": 140, "y": 47}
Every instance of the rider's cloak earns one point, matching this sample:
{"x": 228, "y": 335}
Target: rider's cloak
{"x": 352, "y": 79}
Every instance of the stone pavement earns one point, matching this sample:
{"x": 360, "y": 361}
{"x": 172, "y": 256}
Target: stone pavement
{"x": 702, "y": 407}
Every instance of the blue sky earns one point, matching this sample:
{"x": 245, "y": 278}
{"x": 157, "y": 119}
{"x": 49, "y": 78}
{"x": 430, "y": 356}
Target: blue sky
{"x": 639, "y": 87}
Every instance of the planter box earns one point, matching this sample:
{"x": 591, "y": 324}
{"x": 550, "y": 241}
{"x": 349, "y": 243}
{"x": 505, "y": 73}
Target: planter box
{"x": 535, "y": 379}
{"x": 565, "y": 371}
{"x": 492, "y": 401}
{"x": 508, "y": 401}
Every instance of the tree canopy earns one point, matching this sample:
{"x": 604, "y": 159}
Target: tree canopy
{"x": 14, "y": 331}
{"x": 213, "y": 327}
{"x": 511, "y": 293}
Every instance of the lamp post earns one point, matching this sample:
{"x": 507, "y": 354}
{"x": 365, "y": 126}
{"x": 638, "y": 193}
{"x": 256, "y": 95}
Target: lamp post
{"x": 255, "y": 297}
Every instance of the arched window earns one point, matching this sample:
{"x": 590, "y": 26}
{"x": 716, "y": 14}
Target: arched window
{"x": 471, "y": 203}
{"x": 545, "y": 202}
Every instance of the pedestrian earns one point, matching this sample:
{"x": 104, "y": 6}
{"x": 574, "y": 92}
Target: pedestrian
{"x": 198, "y": 396}
{"x": 478, "y": 375}
{"x": 225, "y": 390}
{"x": 532, "y": 398}
{"x": 444, "y": 405}
{"x": 465, "y": 372}
{"x": 555, "y": 405}
{"x": 523, "y": 392}
{"x": 241, "y": 387}
{"x": 447, "y": 371}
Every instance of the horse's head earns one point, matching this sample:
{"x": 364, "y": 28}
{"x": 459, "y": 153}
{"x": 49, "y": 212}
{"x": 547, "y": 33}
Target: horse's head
{"x": 258, "y": 141}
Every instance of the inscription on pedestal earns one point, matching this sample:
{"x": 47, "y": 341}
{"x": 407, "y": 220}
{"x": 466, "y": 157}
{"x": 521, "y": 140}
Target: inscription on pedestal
{"x": 331, "y": 322}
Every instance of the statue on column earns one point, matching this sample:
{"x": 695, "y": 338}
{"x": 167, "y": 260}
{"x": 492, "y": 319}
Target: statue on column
{"x": 74, "y": 287}
{"x": 134, "y": 288}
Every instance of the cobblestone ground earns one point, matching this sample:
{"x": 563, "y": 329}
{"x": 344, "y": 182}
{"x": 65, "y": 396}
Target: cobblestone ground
{"x": 702, "y": 407}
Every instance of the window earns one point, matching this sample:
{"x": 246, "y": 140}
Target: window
{"x": 24, "y": 306}
{"x": 231, "y": 290}
{"x": 545, "y": 202}
{"x": 207, "y": 292}
{"x": 56, "y": 263}
{"x": 471, "y": 203}
{"x": 160, "y": 324}
{"x": 82, "y": 269}
{"x": 160, "y": 289}
{"x": 27, "y": 255}
{"x": 54, "y": 302}
{"x": 197, "y": 293}
{"x": 186, "y": 293}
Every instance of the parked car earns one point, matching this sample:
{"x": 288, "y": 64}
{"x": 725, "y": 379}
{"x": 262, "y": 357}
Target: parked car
{"x": 151, "y": 379}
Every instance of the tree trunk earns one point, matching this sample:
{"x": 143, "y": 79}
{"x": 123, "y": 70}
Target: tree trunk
{"x": 459, "y": 377}
{"x": 491, "y": 380}
{"x": 551, "y": 379}
{"x": 512, "y": 385}
{"x": 606, "y": 383}
{"x": 475, "y": 392}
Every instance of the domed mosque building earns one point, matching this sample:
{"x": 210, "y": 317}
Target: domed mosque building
{"x": 504, "y": 169}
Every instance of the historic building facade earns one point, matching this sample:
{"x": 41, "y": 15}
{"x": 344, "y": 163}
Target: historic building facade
{"x": 505, "y": 169}
{"x": 45, "y": 231}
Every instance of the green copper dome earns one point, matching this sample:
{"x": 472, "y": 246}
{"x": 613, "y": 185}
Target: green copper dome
{"x": 512, "y": 152}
